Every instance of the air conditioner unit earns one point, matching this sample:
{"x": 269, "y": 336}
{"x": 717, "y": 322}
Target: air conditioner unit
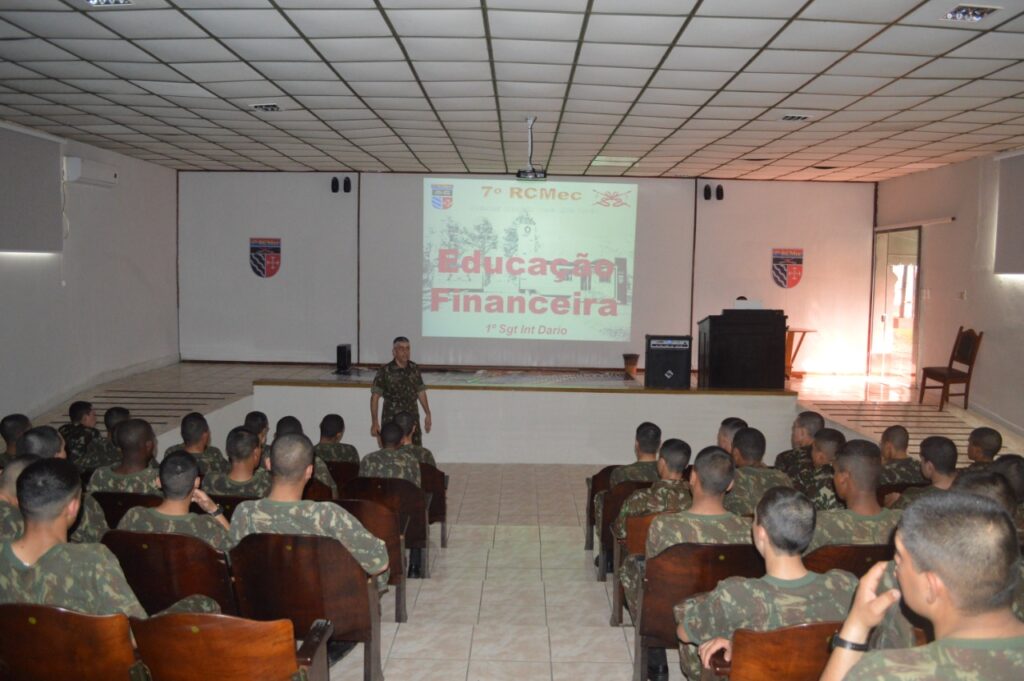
{"x": 85, "y": 171}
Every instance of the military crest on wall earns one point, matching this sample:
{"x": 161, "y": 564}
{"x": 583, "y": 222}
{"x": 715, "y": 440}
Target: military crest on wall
{"x": 787, "y": 266}
{"x": 265, "y": 256}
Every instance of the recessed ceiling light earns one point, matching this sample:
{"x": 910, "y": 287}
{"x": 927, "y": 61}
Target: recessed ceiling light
{"x": 970, "y": 13}
{"x": 614, "y": 160}
{"x": 824, "y": 167}
{"x": 109, "y": 3}
{"x": 266, "y": 107}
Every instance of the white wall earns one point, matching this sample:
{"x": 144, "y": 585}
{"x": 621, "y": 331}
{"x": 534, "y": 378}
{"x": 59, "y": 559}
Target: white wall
{"x": 298, "y": 315}
{"x": 118, "y": 309}
{"x": 959, "y": 257}
{"x": 831, "y": 222}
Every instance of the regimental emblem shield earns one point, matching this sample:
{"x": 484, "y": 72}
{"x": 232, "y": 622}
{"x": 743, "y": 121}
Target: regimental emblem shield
{"x": 787, "y": 266}
{"x": 265, "y": 256}
{"x": 441, "y": 196}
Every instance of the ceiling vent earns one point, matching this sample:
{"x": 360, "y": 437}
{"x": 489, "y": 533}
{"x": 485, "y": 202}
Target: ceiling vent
{"x": 796, "y": 117}
{"x": 109, "y": 3}
{"x": 824, "y": 167}
{"x": 265, "y": 107}
{"x": 970, "y": 13}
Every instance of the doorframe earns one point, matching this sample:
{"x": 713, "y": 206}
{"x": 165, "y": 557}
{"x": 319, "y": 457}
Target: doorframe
{"x": 917, "y": 292}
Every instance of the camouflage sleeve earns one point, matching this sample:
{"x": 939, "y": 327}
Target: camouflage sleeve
{"x": 428, "y": 457}
{"x": 367, "y": 549}
{"x": 708, "y": 615}
{"x": 874, "y": 667}
{"x": 210, "y": 531}
{"x": 379, "y": 382}
{"x": 131, "y": 521}
{"x": 636, "y": 504}
{"x": 417, "y": 380}
{"x": 92, "y": 523}
{"x": 323, "y": 474}
{"x": 895, "y": 630}
{"x": 195, "y": 604}
{"x": 111, "y": 590}
{"x": 240, "y": 525}
{"x": 658, "y": 537}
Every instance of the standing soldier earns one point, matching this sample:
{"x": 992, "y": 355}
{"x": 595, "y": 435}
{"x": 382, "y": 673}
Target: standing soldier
{"x": 400, "y": 383}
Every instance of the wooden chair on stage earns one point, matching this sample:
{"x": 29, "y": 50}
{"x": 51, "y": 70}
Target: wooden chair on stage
{"x": 797, "y": 653}
{"x": 435, "y": 483}
{"x": 635, "y": 544}
{"x": 183, "y": 647}
{"x": 343, "y": 472}
{"x": 854, "y": 558}
{"x": 116, "y": 504}
{"x": 965, "y": 354}
{"x": 164, "y": 568}
{"x": 411, "y": 503}
{"x": 304, "y": 579}
{"x": 613, "y": 501}
{"x": 599, "y": 482}
{"x": 677, "y": 573}
{"x": 382, "y": 523}
{"x": 43, "y": 642}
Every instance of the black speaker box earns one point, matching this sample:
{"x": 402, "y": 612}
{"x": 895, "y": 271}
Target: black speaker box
{"x": 344, "y": 359}
{"x": 667, "y": 360}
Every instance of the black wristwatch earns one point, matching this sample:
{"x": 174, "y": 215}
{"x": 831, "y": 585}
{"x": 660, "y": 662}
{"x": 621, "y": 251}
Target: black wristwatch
{"x": 840, "y": 642}
{"x": 216, "y": 512}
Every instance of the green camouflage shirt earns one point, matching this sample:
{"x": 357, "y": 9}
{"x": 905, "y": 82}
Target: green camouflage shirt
{"x": 81, "y": 577}
{"x": 322, "y": 473}
{"x": 749, "y": 485}
{"x": 399, "y": 387}
{"x": 817, "y": 484}
{"x": 761, "y": 604}
{"x": 255, "y": 487}
{"x": 211, "y": 459}
{"x": 843, "y": 526}
{"x": 76, "y": 439}
{"x": 141, "y": 519}
{"x": 638, "y": 471}
{"x": 793, "y": 460}
{"x": 422, "y": 454}
{"x": 100, "y": 452}
{"x": 902, "y": 471}
{"x": 386, "y": 463}
{"x": 320, "y": 519}
{"x": 91, "y": 524}
{"x": 141, "y": 482}
{"x": 663, "y": 495}
{"x": 978, "y": 465}
{"x": 947, "y": 659}
{"x": 11, "y": 523}
{"x": 911, "y": 494}
{"x": 337, "y": 451}
{"x": 685, "y": 527}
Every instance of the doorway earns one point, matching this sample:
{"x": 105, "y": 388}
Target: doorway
{"x": 894, "y": 289}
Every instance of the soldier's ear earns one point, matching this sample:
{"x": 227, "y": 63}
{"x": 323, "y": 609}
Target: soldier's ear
{"x": 309, "y": 472}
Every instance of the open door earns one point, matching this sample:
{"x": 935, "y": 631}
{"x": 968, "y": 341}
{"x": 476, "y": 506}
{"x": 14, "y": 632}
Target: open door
{"x": 893, "y": 352}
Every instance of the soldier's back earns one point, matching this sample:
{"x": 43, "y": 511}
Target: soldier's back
{"x": 336, "y": 451}
{"x": 220, "y": 483}
{"x": 106, "y": 479}
{"x": 662, "y": 496}
{"x": 638, "y": 471}
{"x": 390, "y": 463}
{"x": 792, "y": 460}
{"x": 902, "y": 471}
{"x": 204, "y": 527}
{"x": 912, "y": 494}
{"x": 210, "y": 459}
{"x": 843, "y": 526}
{"x": 92, "y": 522}
{"x": 11, "y": 523}
{"x": 685, "y": 527}
{"x": 100, "y": 452}
{"x": 750, "y": 484}
{"x": 421, "y": 454}
{"x": 76, "y": 439}
{"x": 948, "y": 660}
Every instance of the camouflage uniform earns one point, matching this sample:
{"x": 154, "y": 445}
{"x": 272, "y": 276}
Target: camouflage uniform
{"x": 392, "y": 463}
{"x": 337, "y": 451}
{"x": 91, "y": 524}
{"x": 664, "y": 495}
{"x": 978, "y": 465}
{"x": 761, "y": 604}
{"x": 255, "y": 487}
{"x": 913, "y": 493}
{"x": 323, "y": 474}
{"x": 949, "y": 659}
{"x": 638, "y": 471}
{"x": 321, "y": 519}
{"x": 100, "y": 452}
{"x": 106, "y": 479}
{"x": 205, "y": 527}
{"x": 792, "y": 461}
{"x": 210, "y": 459}
{"x": 76, "y": 439}
{"x": 11, "y": 524}
{"x": 902, "y": 471}
{"x": 422, "y": 454}
{"x": 750, "y": 484}
{"x": 400, "y": 389}
{"x": 817, "y": 484}
{"x": 843, "y": 526}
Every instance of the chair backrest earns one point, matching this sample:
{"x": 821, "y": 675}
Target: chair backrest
{"x": 965, "y": 349}
{"x": 637, "y": 527}
{"x": 43, "y": 642}
{"x": 343, "y": 472}
{"x": 683, "y": 570}
{"x": 401, "y": 496}
{"x": 797, "y": 653}
{"x": 381, "y": 522}
{"x": 229, "y": 503}
{"x": 116, "y": 504}
{"x": 164, "y": 568}
{"x": 316, "y": 491}
{"x": 855, "y": 558}
{"x": 613, "y": 502}
{"x": 302, "y": 578}
{"x": 432, "y": 481}
{"x": 598, "y": 482}
{"x": 182, "y": 647}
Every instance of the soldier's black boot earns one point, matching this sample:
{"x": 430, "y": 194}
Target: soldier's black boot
{"x": 657, "y": 664}
{"x": 415, "y": 564}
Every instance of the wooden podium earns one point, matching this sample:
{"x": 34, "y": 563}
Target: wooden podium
{"x": 743, "y": 350}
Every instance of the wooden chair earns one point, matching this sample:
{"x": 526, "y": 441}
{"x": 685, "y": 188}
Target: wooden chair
{"x": 599, "y": 482}
{"x": 305, "y": 579}
{"x": 854, "y": 558}
{"x": 609, "y": 512}
{"x": 634, "y": 544}
{"x": 382, "y": 523}
{"x": 317, "y": 491}
{"x": 343, "y": 472}
{"x": 229, "y": 503}
{"x": 965, "y": 353}
{"x": 404, "y": 498}
{"x": 116, "y": 504}
{"x": 182, "y": 647}
{"x": 435, "y": 483}
{"x": 895, "y": 488}
{"x": 43, "y": 642}
{"x": 677, "y": 573}
{"x": 797, "y": 653}
{"x": 163, "y": 568}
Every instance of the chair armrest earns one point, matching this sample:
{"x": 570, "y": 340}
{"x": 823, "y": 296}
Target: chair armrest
{"x": 313, "y": 653}
{"x": 718, "y": 664}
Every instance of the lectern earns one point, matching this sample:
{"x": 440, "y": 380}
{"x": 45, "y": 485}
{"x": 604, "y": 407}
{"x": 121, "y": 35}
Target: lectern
{"x": 743, "y": 350}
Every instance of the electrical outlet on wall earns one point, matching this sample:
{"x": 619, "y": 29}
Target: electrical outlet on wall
{"x": 962, "y": 295}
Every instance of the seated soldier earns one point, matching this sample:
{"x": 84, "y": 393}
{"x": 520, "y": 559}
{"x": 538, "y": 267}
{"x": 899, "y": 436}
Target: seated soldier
{"x": 289, "y": 425}
{"x": 787, "y": 595}
{"x": 257, "y": 422}
{"x": 1011, "y": 467}
{"x": 409, "y": 425}
{"x": 196, "y": 437}
{"x": 645, "y": 468}
{"x": 801, "y": 437}
{"x": 670, "y": 493}
{"x": 10, "y": 517}
{"x": 330, "y": 447}
{"x": 938, "y": 466}
{"x": 753, "y": 478}
{"x": 179, "y": 482}
{"x": 390, "y": 462}
{"x": 246, "y": 477}
{"x": 816, "y": 482}
{"x": 705, "y": 522}
{"x": 46, "y": 443}
{"x": 137, "y": 441}
{"x": 285, "y": 512}
{"x": 982, "y": 446}
{"x": 101, "y": 450}
{"x": 863, "y": 521}
{"x": 80, "y": 431}
{"x": 12, "y": 427}
{"x": 897, "y": 466}
{"x": 727, "y": 431}
{"x": 958, "y": 562}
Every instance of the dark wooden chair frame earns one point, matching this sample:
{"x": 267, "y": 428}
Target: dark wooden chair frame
{"x": 435, "y": 483}
{"x": 797, "y": 653}
{"x": 383, "y": 523}
{"x": 634, "y": 544}
{"x": 613, "y": 502}
{"x": 116, "y": 504}
{"x": 599, "y": 482}
{"x": 965, "y": 352}
{"x": 854, "y": 558}
{"x": 410, "y": 502}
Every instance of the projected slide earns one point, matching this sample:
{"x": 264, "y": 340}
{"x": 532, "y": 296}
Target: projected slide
{"x": 538, "y": 260}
